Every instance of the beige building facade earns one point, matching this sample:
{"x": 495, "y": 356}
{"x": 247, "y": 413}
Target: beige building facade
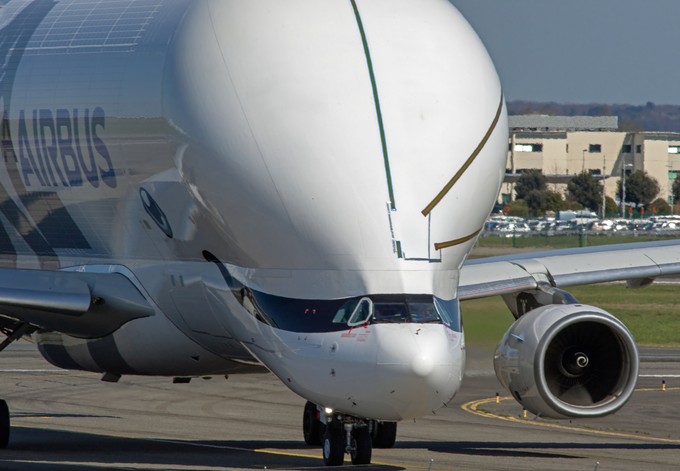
{"x": 564, "y": 146}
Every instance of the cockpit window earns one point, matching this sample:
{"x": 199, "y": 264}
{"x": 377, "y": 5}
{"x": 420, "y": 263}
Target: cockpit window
{"x": 449, "y": 311}
{"x": 423, "y": 312}
{"x": 362, "y": 312}
{"x": 391, "y": 312}
{"x": 309, "y": 315}
{"x": 409, "y": 308}
{"x": 345, "y": 312}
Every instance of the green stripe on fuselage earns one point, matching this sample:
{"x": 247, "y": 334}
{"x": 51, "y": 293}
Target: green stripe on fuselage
{"x": 378, "y": 112}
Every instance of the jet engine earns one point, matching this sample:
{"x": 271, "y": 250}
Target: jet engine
{"x": 564, "y": 361}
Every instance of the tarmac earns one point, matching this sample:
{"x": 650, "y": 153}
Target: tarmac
{"x": 68, "y": 420}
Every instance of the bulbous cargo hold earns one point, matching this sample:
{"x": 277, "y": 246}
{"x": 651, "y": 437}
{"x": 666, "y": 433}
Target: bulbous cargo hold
{"x": 348, "y": 127}
{"x": 564, "y": 361}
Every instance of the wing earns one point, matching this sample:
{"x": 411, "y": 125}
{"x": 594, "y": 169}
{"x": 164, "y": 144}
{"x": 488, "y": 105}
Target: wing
{"x": 639, "y": 264}
{"x": 561, "y": 358}
{"x": 80, "y": 304}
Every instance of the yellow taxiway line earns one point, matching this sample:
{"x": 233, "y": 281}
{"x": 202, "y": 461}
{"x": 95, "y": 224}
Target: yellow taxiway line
{"x": 473, "y": 407}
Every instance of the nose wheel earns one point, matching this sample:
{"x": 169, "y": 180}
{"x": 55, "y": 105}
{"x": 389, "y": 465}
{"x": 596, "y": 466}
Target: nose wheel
{"x": 384, "y": 434}
{"x": 333, "y": 446}
{"x": 361, "y": 446}
{"x": 312, "y": 427}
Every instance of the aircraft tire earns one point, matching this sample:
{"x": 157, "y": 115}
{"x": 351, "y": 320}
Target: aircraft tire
{"x": 334, "y": 446}
{"x": 312, "y": 428}
{"x": 385, "y": 435}
{"x": 362, "y": 448}
{"x": 4, "y": 424}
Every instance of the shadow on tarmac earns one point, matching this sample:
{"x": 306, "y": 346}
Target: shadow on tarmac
{"x": 529, "y": 449}
{"x": 40, "y": 449}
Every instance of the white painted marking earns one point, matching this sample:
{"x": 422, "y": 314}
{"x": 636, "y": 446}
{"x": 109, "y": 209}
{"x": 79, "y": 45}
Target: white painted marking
{"x": 658, "y": 376}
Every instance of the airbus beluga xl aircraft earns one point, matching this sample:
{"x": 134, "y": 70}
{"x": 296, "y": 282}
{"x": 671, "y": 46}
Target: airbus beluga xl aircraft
{"x": 196, "y": 187}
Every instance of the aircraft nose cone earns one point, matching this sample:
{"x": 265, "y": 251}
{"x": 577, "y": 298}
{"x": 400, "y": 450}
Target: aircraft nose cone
{"x": 422, "y": 365}
{"x": 393, "y": 372}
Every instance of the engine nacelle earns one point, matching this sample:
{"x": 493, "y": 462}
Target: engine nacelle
{"x": 565, "y": 361}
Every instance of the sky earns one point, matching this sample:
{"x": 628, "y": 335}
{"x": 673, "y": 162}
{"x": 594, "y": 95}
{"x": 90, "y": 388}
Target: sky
{"x": 582, "y": 51}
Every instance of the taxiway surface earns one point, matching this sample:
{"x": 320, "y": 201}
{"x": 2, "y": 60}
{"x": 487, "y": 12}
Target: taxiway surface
{"x": 73, "y": 421}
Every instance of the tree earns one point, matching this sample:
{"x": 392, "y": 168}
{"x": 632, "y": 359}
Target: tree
{"x": 538, "y": 202}
{"x": 518, "y": 208}
{"x": 535, "y": 201}
{"x": 659, "y": 206}
{"x": 585, "y": 190}
{"x": 641, "y": 189}
{"x": 528, "y": 182}
{"x": 610, "y": 206}
{"x": 554, "y": 201}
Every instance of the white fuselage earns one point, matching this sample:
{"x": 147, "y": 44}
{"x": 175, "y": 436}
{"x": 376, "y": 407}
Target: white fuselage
{"x": 242, "y": 160}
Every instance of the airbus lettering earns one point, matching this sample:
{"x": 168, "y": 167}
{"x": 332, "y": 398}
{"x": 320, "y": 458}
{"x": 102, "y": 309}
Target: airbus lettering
{"x": 63, "y": 148}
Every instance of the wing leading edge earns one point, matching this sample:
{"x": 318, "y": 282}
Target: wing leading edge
{"x": 638, "y": 264}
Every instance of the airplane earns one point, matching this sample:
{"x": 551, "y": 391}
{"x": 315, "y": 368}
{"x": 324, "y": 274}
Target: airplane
{"x": 219, "y": 187}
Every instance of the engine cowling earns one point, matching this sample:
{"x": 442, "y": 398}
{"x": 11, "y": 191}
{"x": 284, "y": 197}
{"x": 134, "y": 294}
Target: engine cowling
{"x": 565, "y": 361}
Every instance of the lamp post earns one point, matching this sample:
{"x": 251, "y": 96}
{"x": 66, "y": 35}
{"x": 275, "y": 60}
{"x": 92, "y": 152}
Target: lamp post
{"x": 604, "y": 181}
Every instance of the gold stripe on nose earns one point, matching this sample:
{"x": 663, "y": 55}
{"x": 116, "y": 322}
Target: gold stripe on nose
{"x": 451, "y": 243}
{"x": 428, "y": 209}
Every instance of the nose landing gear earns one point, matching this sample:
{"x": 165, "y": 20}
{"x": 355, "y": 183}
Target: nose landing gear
{"x": 340, "y": 434}
{"x": 346, "y": 435}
